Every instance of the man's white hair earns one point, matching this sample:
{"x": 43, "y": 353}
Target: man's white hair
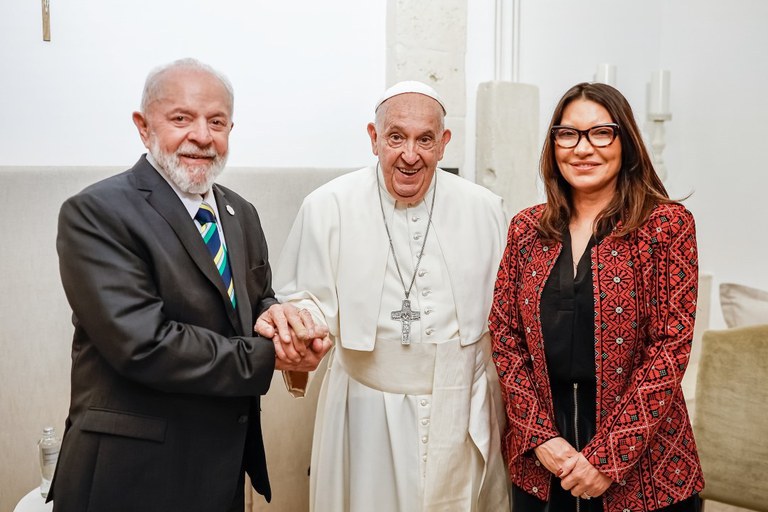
{"x": 155, "y": 78}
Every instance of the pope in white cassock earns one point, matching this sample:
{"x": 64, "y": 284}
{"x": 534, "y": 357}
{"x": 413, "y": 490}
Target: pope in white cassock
{"x": 399, "y": 260}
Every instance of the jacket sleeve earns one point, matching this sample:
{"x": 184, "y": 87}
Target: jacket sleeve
{"x": 670, "y": 277}
{"x": 109, "y": 282}
{"x": 529, "y": 424}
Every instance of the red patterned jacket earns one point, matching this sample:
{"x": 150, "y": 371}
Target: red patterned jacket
{"x": 645, "y": 287}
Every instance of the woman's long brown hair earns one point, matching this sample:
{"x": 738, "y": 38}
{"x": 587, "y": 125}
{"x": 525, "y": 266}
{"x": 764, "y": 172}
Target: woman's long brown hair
{"x": 638, "y": 187}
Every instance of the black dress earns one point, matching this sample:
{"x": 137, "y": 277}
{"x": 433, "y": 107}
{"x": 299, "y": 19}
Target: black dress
{"x": 567, "y": 323}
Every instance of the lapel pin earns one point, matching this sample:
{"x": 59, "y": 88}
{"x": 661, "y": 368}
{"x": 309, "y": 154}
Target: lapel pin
{"x": 230, "y": 210}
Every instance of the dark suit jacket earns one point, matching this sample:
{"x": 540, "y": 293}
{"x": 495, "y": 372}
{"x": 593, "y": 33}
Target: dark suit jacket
{"x": 166, "y": 375}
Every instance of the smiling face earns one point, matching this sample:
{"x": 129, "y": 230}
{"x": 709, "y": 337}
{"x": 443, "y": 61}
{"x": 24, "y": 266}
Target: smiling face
{"x": 590, "y": 171}
{"x": 409, "y": 139}
{"x": 186, "y": 127}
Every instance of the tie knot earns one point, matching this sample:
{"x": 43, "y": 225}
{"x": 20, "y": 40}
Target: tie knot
{"x": 205, "y": 214}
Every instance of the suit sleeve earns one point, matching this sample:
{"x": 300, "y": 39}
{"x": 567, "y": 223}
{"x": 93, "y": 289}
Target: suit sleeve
{"x": 673, "y": 286}
{"x": 108, "y": 280}
{"x": 528, "y": 423}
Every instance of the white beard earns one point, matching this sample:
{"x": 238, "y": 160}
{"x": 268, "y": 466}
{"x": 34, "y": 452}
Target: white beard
{"x": 192, "y": 180}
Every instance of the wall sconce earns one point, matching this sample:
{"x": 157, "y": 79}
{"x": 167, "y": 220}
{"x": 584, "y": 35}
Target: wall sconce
{"x": 658, "y": 113}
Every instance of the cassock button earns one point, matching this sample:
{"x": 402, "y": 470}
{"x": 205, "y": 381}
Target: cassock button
{"x": 243, "y": 419}
{"x": 424, "y": 439}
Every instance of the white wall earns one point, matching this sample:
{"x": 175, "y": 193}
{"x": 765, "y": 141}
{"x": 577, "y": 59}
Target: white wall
{"x": 715, "y": 144}
{"x": 716, "y": 139}
{"x": 306, "y": 76}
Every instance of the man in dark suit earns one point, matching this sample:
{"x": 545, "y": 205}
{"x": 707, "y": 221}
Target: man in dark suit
{"x": 167, "y": 368}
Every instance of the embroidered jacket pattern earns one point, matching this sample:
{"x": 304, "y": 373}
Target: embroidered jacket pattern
{"x": 645, "y": 289}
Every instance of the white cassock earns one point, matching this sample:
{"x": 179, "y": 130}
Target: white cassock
{"x": 401, "y": 428}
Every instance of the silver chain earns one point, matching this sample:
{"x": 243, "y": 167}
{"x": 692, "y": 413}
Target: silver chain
{"x": 389, "y": 236}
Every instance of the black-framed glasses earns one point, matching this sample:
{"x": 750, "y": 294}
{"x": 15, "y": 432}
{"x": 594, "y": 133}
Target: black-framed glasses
{"x": 599, "y": 136}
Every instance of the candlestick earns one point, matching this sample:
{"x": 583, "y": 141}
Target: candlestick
{"x": 606, "y": 74}
{"x": 658, "y": 97}
{"x": 657, "y": 132}
{"x": 658, "y": 114}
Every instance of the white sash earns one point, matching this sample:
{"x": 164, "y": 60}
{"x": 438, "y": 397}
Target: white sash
{"x": 461, "y": 403}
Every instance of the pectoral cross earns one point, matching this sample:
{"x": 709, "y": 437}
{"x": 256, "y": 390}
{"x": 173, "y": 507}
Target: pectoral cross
{"x": 406, "y": 315}
{"x": 46, "y": 20}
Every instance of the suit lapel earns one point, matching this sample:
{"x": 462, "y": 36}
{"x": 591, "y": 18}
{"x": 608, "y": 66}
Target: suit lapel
{"x": 164, "y": 200}
{"x": 235, "y": 241}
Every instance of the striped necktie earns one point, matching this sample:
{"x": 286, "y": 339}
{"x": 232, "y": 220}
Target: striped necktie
{"x": 207, "y": 219}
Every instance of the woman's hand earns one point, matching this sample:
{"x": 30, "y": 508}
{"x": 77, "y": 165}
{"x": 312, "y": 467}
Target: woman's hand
{"x": 554, "y": 453}
{"x": 582, "y": 478}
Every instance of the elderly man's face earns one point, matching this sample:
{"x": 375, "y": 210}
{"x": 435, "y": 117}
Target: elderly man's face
{"x": 409, "y": 140}
{"x": 186, "y": 128}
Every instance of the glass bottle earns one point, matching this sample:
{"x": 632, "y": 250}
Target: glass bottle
{"x": 48, "y": 449}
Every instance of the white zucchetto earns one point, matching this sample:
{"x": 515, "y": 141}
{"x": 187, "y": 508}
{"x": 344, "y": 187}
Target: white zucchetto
{"x": 410, "y": 86}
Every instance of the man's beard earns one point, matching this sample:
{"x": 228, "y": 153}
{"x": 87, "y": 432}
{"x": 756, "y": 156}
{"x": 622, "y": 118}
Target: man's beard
{"x": 190, "y": 179}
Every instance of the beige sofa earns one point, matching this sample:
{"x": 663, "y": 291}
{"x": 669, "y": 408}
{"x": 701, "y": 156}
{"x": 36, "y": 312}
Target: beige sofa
{"x": 730, "y": 424}
{"x": 35, "y": 328}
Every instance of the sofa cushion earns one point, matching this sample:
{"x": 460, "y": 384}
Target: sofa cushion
{"x": 743, "y": 305}
{"x": 730, "y": 421}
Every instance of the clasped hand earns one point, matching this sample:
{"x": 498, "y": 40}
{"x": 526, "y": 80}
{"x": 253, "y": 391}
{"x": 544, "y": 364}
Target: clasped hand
{"x": 576, "y": 473}
{"x": 300, "y": 344}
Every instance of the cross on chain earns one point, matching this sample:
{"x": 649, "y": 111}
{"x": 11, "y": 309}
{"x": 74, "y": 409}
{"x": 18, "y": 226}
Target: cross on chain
{"x": 406, "y": 315}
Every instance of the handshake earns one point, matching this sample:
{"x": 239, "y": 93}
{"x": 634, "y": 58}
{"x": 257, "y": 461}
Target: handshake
{"x": 300, "y": 344}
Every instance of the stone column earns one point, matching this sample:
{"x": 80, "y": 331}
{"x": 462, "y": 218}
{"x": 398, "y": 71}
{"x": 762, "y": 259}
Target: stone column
{"x": 507, "y": 151}
{"x": 426, "y": 41}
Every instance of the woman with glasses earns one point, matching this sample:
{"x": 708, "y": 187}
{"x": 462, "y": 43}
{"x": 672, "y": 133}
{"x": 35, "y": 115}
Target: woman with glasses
{"x": 592, "y": 323}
